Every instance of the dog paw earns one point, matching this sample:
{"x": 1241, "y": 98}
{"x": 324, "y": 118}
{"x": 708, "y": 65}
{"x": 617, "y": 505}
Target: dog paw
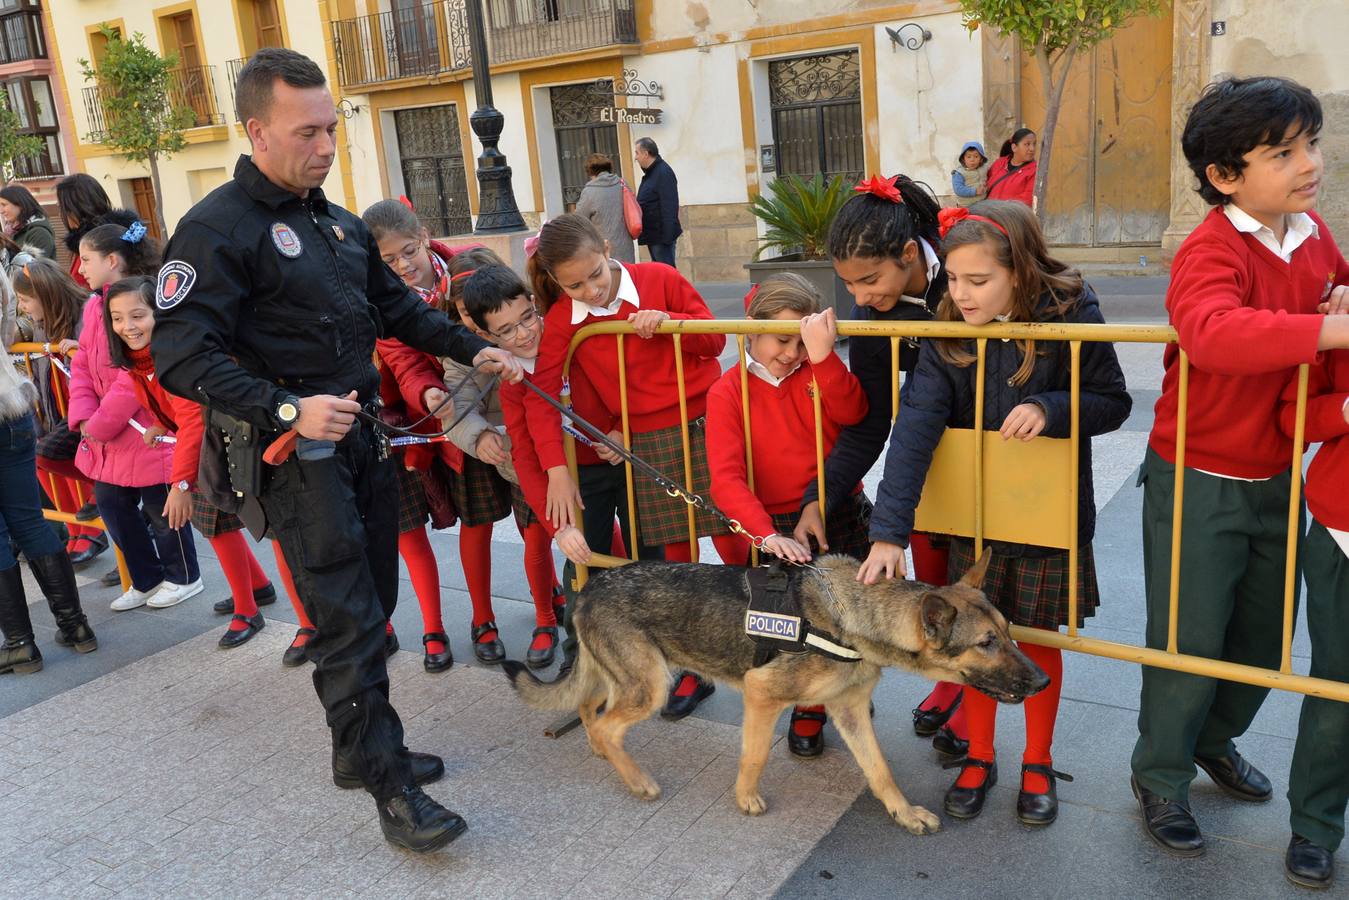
{"x": 917, "y": 820}
{"x": 645, "y": 790}
{"x": 751, "y": 805}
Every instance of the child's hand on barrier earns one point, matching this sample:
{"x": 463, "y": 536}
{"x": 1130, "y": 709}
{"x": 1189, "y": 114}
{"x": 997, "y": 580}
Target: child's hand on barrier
{"x": 1024, "y": 422}
{"x": 67, "y": 345}
{"x": 1337, "y": 303}
{"x": 151, "y": 433}
{"x": 563, "y": 498}
{"x": 785, "y": 547}
{"x": 605, "y": 453}
{"x": 490, "y": 448}
{"x": 818, "y": 333}
{"x": 811, "y": 525}
{"x": 573, "y": 545}
{"x": 886, "y": 560}
{"x": 646, "y": 321}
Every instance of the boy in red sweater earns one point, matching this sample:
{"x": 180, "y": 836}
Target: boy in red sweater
{"x": 1318, "y": 784}
{"x": 1247, "y": 289}
{"x": 783, "y": 371}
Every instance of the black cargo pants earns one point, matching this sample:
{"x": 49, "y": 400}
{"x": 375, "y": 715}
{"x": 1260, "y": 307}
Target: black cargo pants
{"x": 337, "y": 520}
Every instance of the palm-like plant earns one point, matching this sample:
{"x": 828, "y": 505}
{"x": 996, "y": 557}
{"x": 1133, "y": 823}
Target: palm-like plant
{"x": 798, "y": 214}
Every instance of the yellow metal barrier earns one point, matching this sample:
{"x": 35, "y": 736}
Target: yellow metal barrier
{"x": 29, "y": 350}
{"x": 1034, "y": 502}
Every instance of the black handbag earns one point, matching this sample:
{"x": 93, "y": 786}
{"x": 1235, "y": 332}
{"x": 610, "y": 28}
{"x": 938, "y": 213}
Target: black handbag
{"x": 59, "y": 442}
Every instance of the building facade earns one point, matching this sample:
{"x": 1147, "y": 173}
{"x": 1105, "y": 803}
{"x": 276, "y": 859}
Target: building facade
{"x": 211, "y": 39}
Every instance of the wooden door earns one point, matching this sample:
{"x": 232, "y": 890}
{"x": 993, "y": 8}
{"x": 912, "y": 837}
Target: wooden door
{"x": 267, "y": 24}
{"x": 143, "y": 196}
{"x": 185, "y": 36}
{"x": 189, "y": 85}
{"x": 1110, "y": 178}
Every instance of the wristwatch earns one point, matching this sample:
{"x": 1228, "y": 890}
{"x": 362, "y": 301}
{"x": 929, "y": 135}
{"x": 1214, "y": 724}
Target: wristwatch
{"x": 183, "y": 486}
{"x": 288, "y": 411}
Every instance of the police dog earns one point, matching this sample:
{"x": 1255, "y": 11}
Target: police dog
{"x": 637, "y": 621}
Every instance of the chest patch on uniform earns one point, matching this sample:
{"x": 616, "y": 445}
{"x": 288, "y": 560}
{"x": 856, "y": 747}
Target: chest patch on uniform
{"x": 286, "y": 240}
{"x": 175, "y": 280}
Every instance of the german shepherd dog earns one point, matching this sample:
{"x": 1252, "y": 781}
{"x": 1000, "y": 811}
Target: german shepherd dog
{"x": 638, "y": 621}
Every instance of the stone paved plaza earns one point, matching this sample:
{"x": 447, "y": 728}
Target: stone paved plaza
{"x": 162, "y": 766}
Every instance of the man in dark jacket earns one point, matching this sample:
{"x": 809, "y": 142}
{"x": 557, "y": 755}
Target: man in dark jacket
{"x": 658, "y": 196}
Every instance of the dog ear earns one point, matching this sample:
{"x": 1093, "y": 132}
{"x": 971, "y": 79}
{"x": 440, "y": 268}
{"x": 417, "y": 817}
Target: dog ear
{"x": 975, "y": 576}
{"x": 938, "y": 616}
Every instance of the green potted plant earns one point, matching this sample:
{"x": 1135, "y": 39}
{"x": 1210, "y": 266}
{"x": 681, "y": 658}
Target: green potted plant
{"x": 797, "y": 214}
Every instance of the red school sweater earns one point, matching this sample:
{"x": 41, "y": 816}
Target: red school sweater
{"x": 782, "y": 429}
{"x": 653, "y": 399}
{"x": 178, "y": 415}
{"x": 1247, "y": 319}
{"x": 1327, "y": 389}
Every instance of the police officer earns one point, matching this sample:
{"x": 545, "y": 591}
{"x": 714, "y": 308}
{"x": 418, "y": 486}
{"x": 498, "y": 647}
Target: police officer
{"x": 268, "y": 307}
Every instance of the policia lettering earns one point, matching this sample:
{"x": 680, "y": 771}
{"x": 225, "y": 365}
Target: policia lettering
{"x": 273, "y": 296}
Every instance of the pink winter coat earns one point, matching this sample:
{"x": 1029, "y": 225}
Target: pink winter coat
{"x": 103, "y": 396}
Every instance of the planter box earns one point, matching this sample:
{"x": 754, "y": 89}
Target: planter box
{"x": 819, "y": 272}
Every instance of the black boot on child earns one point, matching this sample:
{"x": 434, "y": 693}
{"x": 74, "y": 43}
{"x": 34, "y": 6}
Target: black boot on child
{"x": 56, "y": 576}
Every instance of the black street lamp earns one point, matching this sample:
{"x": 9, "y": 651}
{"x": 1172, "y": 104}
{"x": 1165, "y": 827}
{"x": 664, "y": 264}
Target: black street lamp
{"x": 496, "y": 201}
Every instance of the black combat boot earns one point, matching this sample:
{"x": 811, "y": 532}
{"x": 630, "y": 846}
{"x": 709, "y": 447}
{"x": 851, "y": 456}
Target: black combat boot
{"x": 56, "y": 576}
{"x": 413, "y": 820}
{"x": 18, "y": 653}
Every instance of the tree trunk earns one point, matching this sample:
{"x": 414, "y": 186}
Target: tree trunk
{"x": 1053, "y": 78}
{"x": 159, "y": 195}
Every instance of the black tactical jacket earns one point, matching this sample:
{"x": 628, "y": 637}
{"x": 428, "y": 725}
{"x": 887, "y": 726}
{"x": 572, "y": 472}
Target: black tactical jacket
{"x": 264, "y": 294}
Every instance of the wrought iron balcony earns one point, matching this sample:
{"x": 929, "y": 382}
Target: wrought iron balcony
{"x": 21, "y": 37}
{"x": 232, "y": 69}
{"x": 409, "y": 41}
{"x": 529, "y": 29}
{"x": 190, "y": 87}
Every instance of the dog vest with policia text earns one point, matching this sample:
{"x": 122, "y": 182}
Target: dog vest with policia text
{"x": 775, "y": 622}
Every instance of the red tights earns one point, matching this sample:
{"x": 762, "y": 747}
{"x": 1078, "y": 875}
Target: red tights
{"x": 730, "y": 547}
{"x": 69, "y": 490}
{"x": 241, "y": 571}
{"x": 1041, "y": 711}
{"x": 415, "y": 548}
{"x": 475, "y": 552}
{"x": 289, "y": 583}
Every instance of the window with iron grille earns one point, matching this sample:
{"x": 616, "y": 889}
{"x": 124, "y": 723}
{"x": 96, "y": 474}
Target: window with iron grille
{"x": 817, "y": 114}
{"x": 579, "y": 135}
{"x": 32, "y": 101}
{"x": 21, "y": 35}
{"x": 432, "y": 159}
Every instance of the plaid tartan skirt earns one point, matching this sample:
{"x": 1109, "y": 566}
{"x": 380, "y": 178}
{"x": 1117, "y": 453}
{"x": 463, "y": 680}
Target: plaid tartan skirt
{"x": 662, "y": 519}
{"x": 1032, "y": 591}
{"x": 413, "y": 510}
{"x": 481, "y": 495}
{"x": 212, "y": 522}
{"x": 848, "y": 529}
{"x": 524, "y": 515}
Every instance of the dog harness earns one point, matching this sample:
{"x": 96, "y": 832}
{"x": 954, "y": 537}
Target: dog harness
{"x": 775, "y": 621}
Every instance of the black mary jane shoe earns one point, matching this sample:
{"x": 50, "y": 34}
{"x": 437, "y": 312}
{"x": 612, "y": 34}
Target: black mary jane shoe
{"x": 490, "y": 652}
{"x": 97, "y": 544}
{"x": 1169, "y": 823}
{"x": 927, "y": 721}
{"x": 948, "y": 745}
{"x": 437, "y": 662}
{"x": 263, "y": 596}
{"x": 237, "y": 637}
{"x": 1307, "y": 865}
{"x": 87, "y": 513}
{"x": 1237, "y": 777}
{"x": 677, "y": 707}
{"x": 390, "y": 643}
{"x": 111, "y": 578}
{"x": 801, "y": 745}
{"x": 966, "y": 803}
{"x": 1039, "y": 809}
{"x": 296, "y": 656}
{"x": 538, "y": 659}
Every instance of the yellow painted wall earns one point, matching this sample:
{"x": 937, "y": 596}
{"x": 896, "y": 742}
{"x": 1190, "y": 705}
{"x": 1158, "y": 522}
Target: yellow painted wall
{"x": 190, "y": 174}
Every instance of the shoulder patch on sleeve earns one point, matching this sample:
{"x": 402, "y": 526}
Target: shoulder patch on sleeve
{"x": 175, "y": 280}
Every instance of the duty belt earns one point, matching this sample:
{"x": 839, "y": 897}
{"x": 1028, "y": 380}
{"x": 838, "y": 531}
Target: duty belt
{"x": 775, "y": 621}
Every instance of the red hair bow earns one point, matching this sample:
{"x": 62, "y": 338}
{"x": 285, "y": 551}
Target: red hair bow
{"x": 403, "y": 199}
{"x": 950, "y": 216}
{"x": 885, "y": 188}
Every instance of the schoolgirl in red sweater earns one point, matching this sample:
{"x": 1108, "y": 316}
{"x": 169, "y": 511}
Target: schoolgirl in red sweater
{"x": 783, "y": 372}
{"x": 130, "y": 323}
{"x": 576, "y": 283}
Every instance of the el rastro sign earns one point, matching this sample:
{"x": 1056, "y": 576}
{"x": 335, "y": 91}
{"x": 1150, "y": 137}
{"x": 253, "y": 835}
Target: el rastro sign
{"x": 621, "y": 116}
{"x": 630, "y": 88}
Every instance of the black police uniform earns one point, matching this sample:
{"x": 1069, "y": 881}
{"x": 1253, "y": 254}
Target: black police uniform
{"x": 262, "y": 295}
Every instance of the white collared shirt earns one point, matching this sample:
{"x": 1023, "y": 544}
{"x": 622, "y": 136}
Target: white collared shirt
{"x": 1298, "y": 228}
{"x": 933, "y": 263}
{"x": 527, "y": 364}
{"x": 627, "y": 292}
{"x": 759, "y": 369}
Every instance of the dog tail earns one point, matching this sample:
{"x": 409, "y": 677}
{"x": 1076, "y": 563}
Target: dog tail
{"x": 564, "y": 693}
